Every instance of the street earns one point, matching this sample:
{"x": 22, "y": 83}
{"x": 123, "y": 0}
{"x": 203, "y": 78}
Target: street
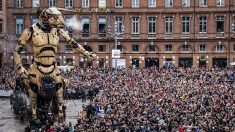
{"x": 10, "y": 123}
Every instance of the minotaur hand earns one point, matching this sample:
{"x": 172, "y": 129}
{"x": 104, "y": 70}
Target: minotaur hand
{"x": 90, "y": 55}
{"x": 23, "y": 72}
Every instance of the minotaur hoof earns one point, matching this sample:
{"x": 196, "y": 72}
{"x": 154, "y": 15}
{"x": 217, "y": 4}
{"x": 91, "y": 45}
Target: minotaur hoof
{"x": 34, "y": 117}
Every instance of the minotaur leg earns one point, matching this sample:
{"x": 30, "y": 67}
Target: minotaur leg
{"x": 59, "y": 95}
{"x": 33, "y": 98}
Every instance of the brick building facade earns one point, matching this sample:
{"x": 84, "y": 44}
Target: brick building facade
{"x": 3, "y": 31}
{"x": 176, "y": 33}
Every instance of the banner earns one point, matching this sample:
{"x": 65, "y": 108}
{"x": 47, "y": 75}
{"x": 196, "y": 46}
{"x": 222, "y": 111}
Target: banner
{"x": 121, "y": 63}
{"x": 116, "y": 53}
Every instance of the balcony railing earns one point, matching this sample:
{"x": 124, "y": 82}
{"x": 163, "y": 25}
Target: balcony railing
{"x": 202, "y": 35}
{"x": 220, "y": 35}
{"x": 232, "y": 35}
{"x": 151, "y": 35}
{"x": 86, "y": 35}
{"x": 135, "y": 35}
{"x": 101, "y": 35}
{"x": 185, "y": 35}
{"x": 169, "y": 36}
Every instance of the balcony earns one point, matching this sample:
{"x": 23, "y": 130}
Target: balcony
{"x": 85, "y": 35}
{"x": 202, "y": 35}
{"x": 135, "y": 35}
{"x": 185, "y": 35}
{"x": 220, "y": 35}
{"x": 101, "y": 35}
{"x": 169, "y": 36}
{"x": 232, "y": 35}
{"x": 151, "y": 35}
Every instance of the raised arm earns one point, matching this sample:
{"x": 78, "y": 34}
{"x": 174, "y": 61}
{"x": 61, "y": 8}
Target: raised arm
{"x": 25, "y": 36}
{"x": 77, "y": 47}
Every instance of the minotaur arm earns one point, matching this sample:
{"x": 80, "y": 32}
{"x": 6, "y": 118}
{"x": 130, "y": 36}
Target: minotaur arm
{"x": 25, "y": 36}
{"x": 77, "y": 47}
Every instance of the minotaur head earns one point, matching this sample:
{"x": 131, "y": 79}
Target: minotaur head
{"x": 51, "y": 17}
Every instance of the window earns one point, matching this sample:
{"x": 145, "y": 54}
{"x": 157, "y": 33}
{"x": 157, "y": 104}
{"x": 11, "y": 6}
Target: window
{"x": 102, "y": 62}
{"x": 68, "y": 3}
{"x": 202, "y": 2}
{"x": 168, "y": 3}
{"x": 0, "y": 26}
{"x": 68, "y": 48}
{"x": 52, "y": 3}
{"x": 118, "y": 3}
{"x": 168, "y": 47}
{"x": 152, "y": 3}
{"x": 135, "y": 3}
{"x": 220, "y": 2}
{"x": 19, "y": 25}
{"x": 0, "y": 5}
{"x": 119, "y": 25}
{"x": 24, "y": 50}
{"x": 220, "y": 24}
{"x": 135, "y": 48}
{"x": 169, "y": 24}
{"x": 58, "y": 61}
{"x": 185, "y": 3}
{"x": 36, "y": 3}
{"x": 34, "y": 20}
{"x": 219, "y": 47}
{"x": 233, "y": 25}
{"x": 203, "y": 24}
{"x": 69, "y": 61}
{"x": 102, "y": 3}
{"x": 135, "y": 25}
{"x": 24, "y": 61}
{"x": 102, "y": 48}
{"x": 119, "y": 47}
{"x": 85, "y": 25}
{"x": 85, "y": 3}
{"x": 69, "y": 27}
{"x": 19, "y": 3}
{"x": 152, "y": 25}
{"x": 202, "y": 47}
{"x": 185, "y": 47}
{"x": 102, "y": 25}
{"x": 135, "y": 63}
{"x": 152, "y": 48}
{"x": 185, "y": 27}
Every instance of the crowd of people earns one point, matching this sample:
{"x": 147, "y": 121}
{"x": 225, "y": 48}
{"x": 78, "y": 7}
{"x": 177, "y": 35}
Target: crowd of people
{"x": 152, "y": 99}
{"x": 7, "y": 78}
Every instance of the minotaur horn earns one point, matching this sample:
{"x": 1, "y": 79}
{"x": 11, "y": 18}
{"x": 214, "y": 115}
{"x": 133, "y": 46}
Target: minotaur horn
{"x": 63, "y": 9}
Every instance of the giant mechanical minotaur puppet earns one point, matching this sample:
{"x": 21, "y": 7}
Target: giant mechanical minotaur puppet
{"x": 43, "y": 76}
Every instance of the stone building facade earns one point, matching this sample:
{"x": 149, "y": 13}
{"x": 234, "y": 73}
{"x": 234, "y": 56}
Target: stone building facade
{"x": 185, "y": 33}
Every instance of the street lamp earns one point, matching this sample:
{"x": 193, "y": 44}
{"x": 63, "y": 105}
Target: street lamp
{"x": 12, "y": 57}
{"x": 232, "y": 27}
{"x": 115, "y": 35}
{"x": 5, "y": 49}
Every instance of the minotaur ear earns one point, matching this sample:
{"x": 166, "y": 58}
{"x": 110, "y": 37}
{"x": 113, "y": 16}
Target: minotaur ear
{"x": 39, "y": 11}
{"x": 44, "y": 16}
{"x": 66, "y": 10}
